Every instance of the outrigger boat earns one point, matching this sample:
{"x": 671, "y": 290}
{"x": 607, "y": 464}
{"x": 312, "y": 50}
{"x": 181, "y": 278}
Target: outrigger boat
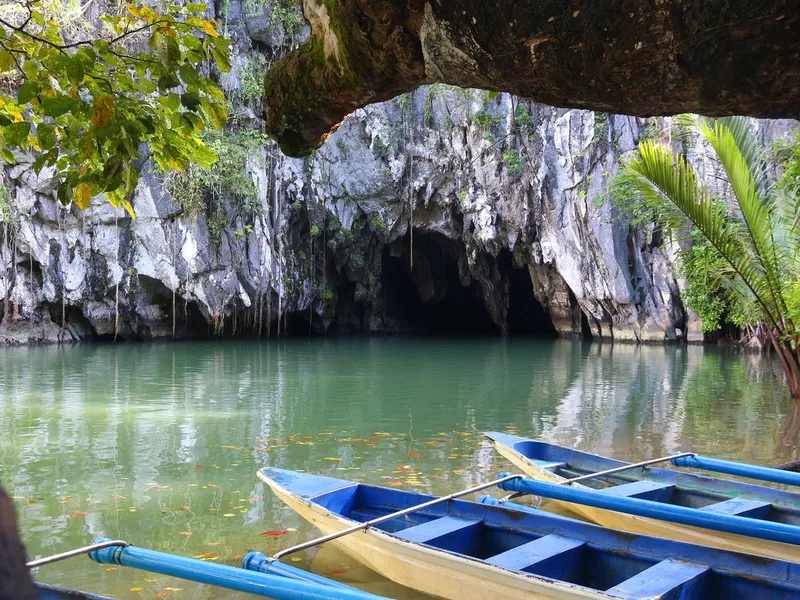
{"x": 464, "y": 550}
{"x": 711, "y": 498}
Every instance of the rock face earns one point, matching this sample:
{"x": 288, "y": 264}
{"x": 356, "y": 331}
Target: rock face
{"x": 626, "y": 56}
{"x": 442, "y": 211}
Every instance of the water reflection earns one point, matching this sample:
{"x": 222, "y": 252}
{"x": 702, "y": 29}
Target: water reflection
{"x": 158, "y": 443}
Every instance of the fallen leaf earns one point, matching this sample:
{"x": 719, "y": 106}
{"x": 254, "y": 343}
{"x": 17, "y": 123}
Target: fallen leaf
{"x": 296, "y": 559}
{"x": 111, "y": 569}
{"x": 229, "y": 515}
{"x": 31, "y": 501}
{"x": 162, "y": 594}
{"x": 339, "y": 571}
{"x": 150, "y": 579}
{"x": 207, "y": 556}
{"x": 185, "y": 533}
{"x": 78, "y": 513}
{"x": 198, "y": 467}
{"x": 275, "y": 533}
{"x": 413, "y": 454}
{"x": 334, "y": 458}
{"x": 136, "y": 588}
{"x": 395, "y": 483}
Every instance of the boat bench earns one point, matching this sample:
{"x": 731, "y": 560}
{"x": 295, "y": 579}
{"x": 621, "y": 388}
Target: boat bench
{"x": 547, "y": 465}
{"x": 425, "y": 533}
{"x": 643, "y": 489}
{"x": 550, "y": 556}
{"x": 666, "y": 580}
{"x": 740, "y": 507}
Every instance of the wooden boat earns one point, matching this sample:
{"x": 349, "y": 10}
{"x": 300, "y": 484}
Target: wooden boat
{"x": 463, "y": 550}
{"x": 555, "y": 464}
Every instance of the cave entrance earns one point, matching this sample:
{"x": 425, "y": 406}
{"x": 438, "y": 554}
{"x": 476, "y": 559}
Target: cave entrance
{"x": 433, "y": 300}
{"x": 526, "y": 315}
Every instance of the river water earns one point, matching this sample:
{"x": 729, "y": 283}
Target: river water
{"x": 158, "y": 444}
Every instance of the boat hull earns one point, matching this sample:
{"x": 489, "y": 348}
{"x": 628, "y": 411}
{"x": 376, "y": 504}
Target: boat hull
{"x": 429, "y": 571}
{"x": 647, "y": 526}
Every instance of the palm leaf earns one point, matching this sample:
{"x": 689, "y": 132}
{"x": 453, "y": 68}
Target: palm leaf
{"x": 740, "y": 158}
{"x": 667, "y": 189}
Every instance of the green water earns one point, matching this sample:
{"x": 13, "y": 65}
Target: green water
{"x": 158, "y": 444}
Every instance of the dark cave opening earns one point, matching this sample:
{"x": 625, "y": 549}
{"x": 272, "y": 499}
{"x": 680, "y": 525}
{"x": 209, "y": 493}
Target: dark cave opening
{"x": 432, "y": 299}
{"x": 526, "y": 315}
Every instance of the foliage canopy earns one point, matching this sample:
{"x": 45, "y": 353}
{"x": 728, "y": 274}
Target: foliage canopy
{"x": 85, "y": 98}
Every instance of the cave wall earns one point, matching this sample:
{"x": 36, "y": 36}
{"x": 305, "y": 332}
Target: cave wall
{"x": 438, "y": 200}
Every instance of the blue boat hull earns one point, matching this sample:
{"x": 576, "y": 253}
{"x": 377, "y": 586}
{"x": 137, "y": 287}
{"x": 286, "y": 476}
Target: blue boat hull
{"x": 54, "y": 592}
{"x": 567, "y": 558}
{"x": 712, "y": 500}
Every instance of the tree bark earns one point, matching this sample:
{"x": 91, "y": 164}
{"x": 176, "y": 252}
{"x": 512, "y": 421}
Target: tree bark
{"x": 15, "y": 579}
{"x": 635, "y": 57}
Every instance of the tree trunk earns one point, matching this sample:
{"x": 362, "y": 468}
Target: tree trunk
{"x": 790, "y": 362}
{"x": 15, "y": 579}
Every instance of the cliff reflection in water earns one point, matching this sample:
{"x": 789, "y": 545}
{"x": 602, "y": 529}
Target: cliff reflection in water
{"x": 159, "y": 443}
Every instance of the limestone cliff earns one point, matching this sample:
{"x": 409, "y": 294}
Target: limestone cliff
{"x": 440, "y": 211}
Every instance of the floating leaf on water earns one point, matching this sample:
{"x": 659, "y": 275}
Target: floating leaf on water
{"x": 207, "y": 556}
{"x": 413, "y": 454}
{"x": 78, "y": 513}
{"x": 136, "y": 588}
{"x": 334, "y": 458}
{"x": 229, "y": 515}
{"x": 150, "y": 579}
{"x": 185, "y": 533}
{"x": 296, "y": 559}
{"x": 172, "y": 589}
{"x": 395, "y": 483}
{"x": 339, "y": 571}
{"x": 275, "y": 533}
{"x": 31, "y": 501}
{"x": 111, "y": 569}
{"x": 291, "y": 529}
{"x": 163, "y": 594}
{"x": 212, "y": 544}
{"x": 198, "y": 467}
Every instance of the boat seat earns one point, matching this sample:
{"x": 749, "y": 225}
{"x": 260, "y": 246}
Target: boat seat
{"x": 667, "y": 580}
{"x": 740, "y": 507}
{"x": 425, "y": 533}
{"x": 643, "y": 489}
{"x": 548, "y": 465}
{"x": 563, "y": 551}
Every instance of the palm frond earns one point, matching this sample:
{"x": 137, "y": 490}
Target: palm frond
{"x": 738, "y": 153}
{"x": 667, "y": 188}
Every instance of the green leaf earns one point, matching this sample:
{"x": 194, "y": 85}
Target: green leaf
{"x": 17, "y": 132}
{"x": 27, "y": 92}
{"x": 190, "y": 100}
{"x": 196, "y": 7}
{"x": 222, "y": 56}
{"x": 205, "y": 156}
{"x": 47, "y": 135}
{"x": 168, "y": 81}
{"x": 169, "y": 52}
{"x": 146, "y": 86}
{"x": 492, "y": 95}
{"x": 57, "y": 106}
{"x": 75, "y": 71}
